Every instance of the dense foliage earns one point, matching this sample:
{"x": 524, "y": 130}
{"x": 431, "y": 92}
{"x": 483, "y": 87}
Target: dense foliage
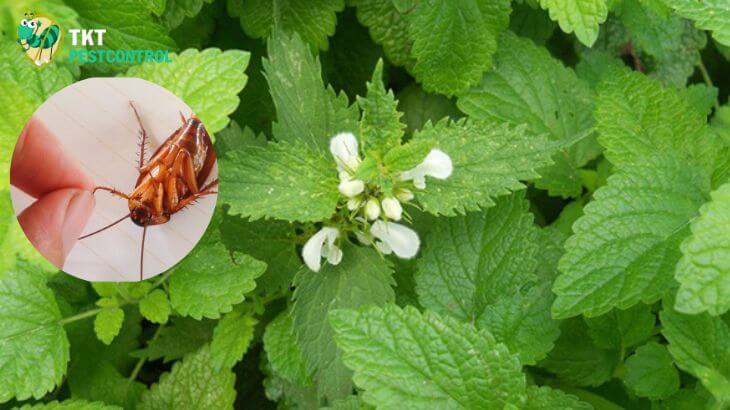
{"x": 424, "y": 204}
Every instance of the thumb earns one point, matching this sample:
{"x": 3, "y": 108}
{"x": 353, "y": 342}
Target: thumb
{"x": 55, "y": 221}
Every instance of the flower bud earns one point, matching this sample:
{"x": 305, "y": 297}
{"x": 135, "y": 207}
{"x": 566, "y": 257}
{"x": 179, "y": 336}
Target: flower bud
{"x": 392, "y": 208}
{"x": 354, "y": 203}
{"x": 372, "y": 209}
{"x": 404, "y": 195}
{"x": 351, "y": 188}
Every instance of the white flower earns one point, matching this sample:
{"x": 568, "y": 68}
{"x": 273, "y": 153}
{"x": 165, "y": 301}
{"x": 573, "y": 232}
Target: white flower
{"x": 343, "y": 147}
{"x": 392, "y": 208}
{"x": 437, "y": 164}
{"x": 354, "y": 203}
{"x": 372, "y": 209}
{"x": 396, "y": 238}
{"x": 322, "y": 245}
{"x": 351, "y": 188}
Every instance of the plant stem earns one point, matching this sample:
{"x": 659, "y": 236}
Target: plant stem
{"x": 142, "y": 360}
{"x": 80, "y": 316}
{"x": 708, "y": 80}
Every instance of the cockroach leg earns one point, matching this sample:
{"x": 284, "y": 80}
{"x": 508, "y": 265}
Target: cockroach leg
{"x": 143, "y": 135}
{"x": 194, "y": 197}
{"x": 182, "y": 117}
{"x": 104, "y": 228}
{"x": 183, "y": 168}
{"x": 112, "y": 190}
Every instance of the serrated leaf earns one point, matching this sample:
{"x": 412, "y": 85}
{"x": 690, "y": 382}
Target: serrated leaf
{"x": 188, "y": 76}
{"x": 528, "y": 86}
{"x": 388, "y": 27}
{"x": 622, "y": 329}
{"x": 454, "y": 40}
{"x": 306, "y": 111}
{"x": 107, "y": 324}
{"x": 576, "y": 359}
{"x": 71, "y": 404}
{"x": 699, "y": 345}
{"x": 231, "y": 338}
{"x": 581, "y": 17}
{"x": 545, "y": 398}
{"x": 285, "y": 356}
{"x": 531, "y": 22}
{"x": 704, "y": 270}
{"x": 179, "y": 337}
{"x": 96, "y": 379}
{"x": 155, "y": 307}
{"x": 627, "y": 241}
{"x": 192, "y": 383}
{"x": 419, "y": 107}
{"x": 314, "y": 20}
{"x": 405, "y": 359}
{"x": 177, "y": 10}
{"x": 650, "y": 372}
{"x": 284, "y": 180}
{"x": 362, "y": 278}
{"x": 380, "y": 126}
{"x": 713, "y": 15}
{"x": 489, "y": 160}
{"x": 210, "y": 280}
{"x": 34, "y": 349}
{"x": 128, "y": 27}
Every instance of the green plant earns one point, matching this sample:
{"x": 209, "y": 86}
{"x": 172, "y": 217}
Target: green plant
{"x": 424, "y": 204}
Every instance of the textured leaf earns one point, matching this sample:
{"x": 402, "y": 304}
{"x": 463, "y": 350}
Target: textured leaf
{"x": 128, "y": 27}
{"x": 489, "y": 160}
{"x": 71, "y": 404}
{"x": 189, "y": 76}
{"x": 231, "y": 339}
{"x": 179, "y": 337}
{"x": 98, "y": 380}
{"x": 285, "y": 180}
{"x": 210, "y": 280}
{"x": 314, "y": 21}
{"x": 108, "y": 323}
{"x": 622, "y": 329}
{"x": 531, "y": 22}
{"x": 419, "y": 107}
{"x": 713, "y": 15}
{"x": 699, "y": 345}
{"x": 405, "y": 359}
{"x": 704, "y": 270}
{"x": 453, "y": 41}
{"x": 380, "y": 127}
{"x": 545, "y": 398}
{"x": 388, "y": 27}
{"x": 192, "y": 384}
{"x": 155, "y": 307}
{"x": 528, "y": 86}
{"x": 306, "y": 111}
{"x": 34, "y": 349}
{"x": 650, "y": 372}
{"x": 362, "y": 278}
{"x": 284, "y": 354}
{"x": 177, "y": 10}
{"x": 627, "y": 241}
{"x": 581, "y": 17}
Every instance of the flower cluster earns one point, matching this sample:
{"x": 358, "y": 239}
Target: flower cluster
{"x": 371, "y": 211}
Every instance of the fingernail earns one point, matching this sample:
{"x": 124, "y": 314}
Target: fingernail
{"x": 77, "y": 215}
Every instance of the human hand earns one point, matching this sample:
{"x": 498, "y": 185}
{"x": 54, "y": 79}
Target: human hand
{"x": 61, "y": 186}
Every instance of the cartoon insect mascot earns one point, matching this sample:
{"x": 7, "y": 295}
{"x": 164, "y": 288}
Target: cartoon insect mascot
{"x": 39, "y": 38}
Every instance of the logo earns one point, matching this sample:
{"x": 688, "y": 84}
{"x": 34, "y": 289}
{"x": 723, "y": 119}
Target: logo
{"x": 40, "y": 37}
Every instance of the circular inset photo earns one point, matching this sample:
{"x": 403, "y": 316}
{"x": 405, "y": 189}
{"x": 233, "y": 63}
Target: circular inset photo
{"x": 114, "y": 179}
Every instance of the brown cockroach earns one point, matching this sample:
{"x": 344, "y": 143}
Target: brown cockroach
{"x": 172, "y": 179}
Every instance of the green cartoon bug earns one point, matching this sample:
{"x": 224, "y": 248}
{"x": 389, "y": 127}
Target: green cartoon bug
{"x": 39, "y": 37}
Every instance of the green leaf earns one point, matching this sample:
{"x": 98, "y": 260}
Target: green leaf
{"x": 192, "y": 383}
{"x": 179, "y": 337}
{"x": 576, "y": 359}
{"x": 210, "y": 280}
{"x": 177, "y": 10}
{"x": 545, "y": 398}
{"x": 419, "y": 107}
{"x": 713, "y": 15}
{"x": 699, "y": 345}
{"x": 231, "y": 338}
{"x": 128, "y": 27}
{"x": 108, "y": 323}
{"x": 306, "y": 111}
{"x": 285, "y": 180}
{"x": 313, "y": 20}
{"x": 528, "y": 86}
{"x": 650, "y": 372}
{"x": 34, "y": 349}
{"x": 155, "y": 307}
{"x": 15, "y": 247}
{"x": 704, "y": 270}
{"x": 96, "y": 379}
{"x": 531, "y": 22}
{"x": 626, "y": 243}
{"x": 189, "y": 76}
{"x": 71, "y": 404}
{"x": 380, "y": 127}
{"x": 362, "y": 278}
{"x": 489, "y": 160}
{"x": 401, "y": 356}
{"x": 284, "y": 355}
{"x": 454, "y": 40}
{"x": 581, "y": 17}
{"x": 388, "y": 27}
{"x": 622, "y": 329}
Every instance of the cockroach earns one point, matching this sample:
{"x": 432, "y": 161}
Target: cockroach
{"x": 172, "y": 179}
